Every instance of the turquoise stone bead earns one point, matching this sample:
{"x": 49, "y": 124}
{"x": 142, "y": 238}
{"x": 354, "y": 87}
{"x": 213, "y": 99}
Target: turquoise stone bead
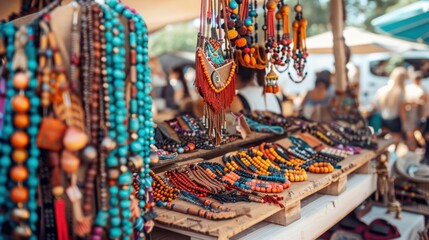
{"x": 32, "y": 181}
{"x": 33, "y": 217}
{"x": 139, "y": 49}
{"x": 115, "y": 232}
{"x": 127, "y": 13}
{"x": 116, "y": 41}
{"x": 127, "y": 203}
{"x": 134, "y": 124}
{"x": 136, "y": 147}
{"x": 7, "y": 149}
{"x": 140, "y": 67}
{"x": 142, "y": 204}
{"x": 133, "y": 39}
{"x": 7, "y": 131}
{"x": 126, "y": 214}
{"x": 145, "y": 59}
{"x": 112, "y": 162}
{"x": 119, "y": 7}
{"x": 31, "y": 64}
{"x": 117, "y": 59}
{"x": 114, "y": 211}
{"x": 142, "y": 192}
{"x": 115, "y": 221}
{"x": 35, "y": 119}
{"x": 133, "y": 106}
{"x": 101, "y": 219}
{"x": 32, "y": 205}
{"x": 123, "y": 194}
{"x": 121, "y": 141}
{"x": 119, "y": 119}
{"x": 180, "y": 150}
{"x": 146, "y": 160}
{"x": 112, "y": 134}
{"x": 109, "y": 37}
{"x": 121, "y": 103}
{"x": 5, "y": 161}
{"x": 119, "y": 84}
{"x": 139, "y": 85}
{"x": 124, "y": 179}
{"x": 113, "y": 201}
{"x": 118, "y": 74}
{"x": 35, "y": 103}
{"x": 248, "y": 21}
{"x": 129, "y": 230}
{"x": 33, "y": 131}
{"x": 113, "y": 190}
{"x": 147, "y": 79}
{"x": 121, "y": 128}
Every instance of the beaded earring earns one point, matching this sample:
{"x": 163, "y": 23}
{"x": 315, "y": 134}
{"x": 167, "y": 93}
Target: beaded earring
{"x": 299, "y": 51}
{"x": 215, "y": 70}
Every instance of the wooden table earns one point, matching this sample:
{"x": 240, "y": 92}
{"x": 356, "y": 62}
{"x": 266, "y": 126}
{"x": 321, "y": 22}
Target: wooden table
{"x": 332, "y": 184}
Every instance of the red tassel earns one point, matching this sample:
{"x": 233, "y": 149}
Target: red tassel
{"x": 62, "y": 231}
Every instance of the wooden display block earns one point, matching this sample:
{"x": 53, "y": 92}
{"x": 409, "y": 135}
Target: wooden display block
{"x": 336, "y": 188}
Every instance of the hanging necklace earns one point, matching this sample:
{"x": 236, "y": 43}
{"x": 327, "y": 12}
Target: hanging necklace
{"x": 299, "y": 51}
{"x": 215, "y": 76}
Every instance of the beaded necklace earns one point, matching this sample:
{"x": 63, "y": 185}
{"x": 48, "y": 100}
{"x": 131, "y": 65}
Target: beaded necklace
{"x": 22, "y": 137}
{"x": 118, "y": 173}
{"x": 141, "y": 103}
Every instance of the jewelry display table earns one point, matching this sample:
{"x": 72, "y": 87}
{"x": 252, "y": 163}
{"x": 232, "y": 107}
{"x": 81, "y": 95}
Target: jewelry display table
{"x": 295, "y": 197}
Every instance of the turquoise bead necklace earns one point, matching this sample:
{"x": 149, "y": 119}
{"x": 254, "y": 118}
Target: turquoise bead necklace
{"x": 117, "y": 159}
{"x": 140, "y": 115}
{"x": 8, "y": 31}
{"x": 33, "y": 130}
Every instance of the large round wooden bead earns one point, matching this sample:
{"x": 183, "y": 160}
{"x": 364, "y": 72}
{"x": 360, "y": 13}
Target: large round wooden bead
{"x": 22, "y": 232}
{"x": 19, "y": 194}
{"x": 74, "y": 139}
{"x": 19, "y": 139}
{"x": 20, "y": 104}
{"x": 19, "y": 155}
{"x": 19, "y": 173}
{"x": 21, "y": 120}
{"x": 21, "y": 80}
{"x": 57, "y": 191}
{"x": 20, "y": 214}
{"x": 69, "y": 162}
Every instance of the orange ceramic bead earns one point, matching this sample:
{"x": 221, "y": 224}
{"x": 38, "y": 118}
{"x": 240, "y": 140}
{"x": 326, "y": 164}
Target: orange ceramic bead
{"x": 69, "y": 162}
{"x": 19, "y": 155}
{"x": 21, "y": 120}
{"x": 21, "y": 80}
{"x": 19, "y": 173}
{"x": 19, "y": 194}
{"x": 20, "y": 104}
{"x": 19, "y": 139}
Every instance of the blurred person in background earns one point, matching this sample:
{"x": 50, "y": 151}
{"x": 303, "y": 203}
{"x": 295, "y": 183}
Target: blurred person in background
{"x": 416, "y": 99}
{"x": 182, "y": 97}
{"x": 319, "y": 97}
{"x": 390, "y": 102}
{"x": 250, "y": 96}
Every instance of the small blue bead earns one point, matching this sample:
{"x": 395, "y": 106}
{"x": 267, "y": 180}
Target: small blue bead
{"x": 142, "y": 204}
{"x": 115, "y": 221}
{"x": 112, "y": 162}
{"x": 33, "y": 181}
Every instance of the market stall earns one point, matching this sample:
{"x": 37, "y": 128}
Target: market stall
{"x": 82, "y": 157}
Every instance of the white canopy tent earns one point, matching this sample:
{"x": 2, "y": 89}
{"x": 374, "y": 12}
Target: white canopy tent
{"x": 361, "y": 42}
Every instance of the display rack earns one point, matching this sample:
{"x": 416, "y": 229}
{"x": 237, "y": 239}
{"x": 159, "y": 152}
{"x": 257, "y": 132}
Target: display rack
{"x": 332, "y": 184}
